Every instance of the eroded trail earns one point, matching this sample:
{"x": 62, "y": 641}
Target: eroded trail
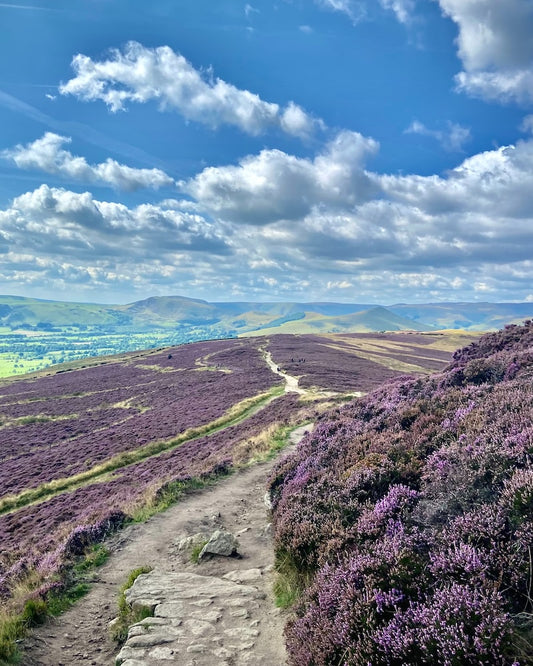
{"x": 291, "y": 383}
{"x": 80, "y": 636}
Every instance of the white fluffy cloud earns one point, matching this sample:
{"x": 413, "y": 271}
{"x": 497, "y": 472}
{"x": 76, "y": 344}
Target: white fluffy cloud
{"x": 489, "y": 193}
{"x": 47, "y": 154}
{"x": 527, "y": 124}
{"x": 283, "y": 226}
{"x": 328, "y": 219}
{"x": 452, "y": 139}
{"x": 274, "y": 185}
{"x": 57, "y": 222}
{"x": 139, "y": 74}
{"x": 495, "y": 46}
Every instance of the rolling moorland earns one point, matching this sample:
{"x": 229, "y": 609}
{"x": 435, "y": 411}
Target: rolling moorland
{"x": 35, "y": 333}
{"x": 85, "y": 450}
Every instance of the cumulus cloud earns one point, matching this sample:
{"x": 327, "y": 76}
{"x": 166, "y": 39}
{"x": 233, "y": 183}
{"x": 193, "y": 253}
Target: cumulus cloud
{"x": 274, "y": 185}
{"x": 437, "y": 236}
{"x": 451, "y": 139}
{"x": 57, "y": 222}
{"x": 495, "y": 46}
{"x": 139, "y": 74}
{"x": 491, "y": 189}
{"x": 47, "y": 154}
{"x": 287, "y": 227}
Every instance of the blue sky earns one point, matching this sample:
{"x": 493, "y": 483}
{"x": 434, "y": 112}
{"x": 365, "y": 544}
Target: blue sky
{"x": 349, "y": 150}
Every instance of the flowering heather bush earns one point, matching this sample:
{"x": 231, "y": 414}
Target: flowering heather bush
{"x": 411, "y": 509}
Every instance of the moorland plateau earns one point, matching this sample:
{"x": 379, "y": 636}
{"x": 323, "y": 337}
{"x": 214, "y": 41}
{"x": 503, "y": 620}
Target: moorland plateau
{"x": 403, "y": 523}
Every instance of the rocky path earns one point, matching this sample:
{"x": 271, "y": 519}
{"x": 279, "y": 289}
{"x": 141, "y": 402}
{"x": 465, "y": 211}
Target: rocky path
{"x": 220, "y": 611}
{"x": 291, "y": 383}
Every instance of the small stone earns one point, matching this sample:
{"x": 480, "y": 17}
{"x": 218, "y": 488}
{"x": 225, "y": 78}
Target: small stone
{"x": 163, "y": 653}
{"x": 136, "y": 630}
{"x": 241, "y": 632}
{"x": 169, "y": 609}
{"x": 202, "y": 603}
{"x": 153, "y": 621}
{"x": 244, "y": 576}
{"x": 197, "y": 627}
{"x": 139, "y": 604}
{"x": 266, "y": 531}
{"x": 129, "y": 653}
{"x": 208, "y": 616}
{"x": 149, "y": 640}
{"x": 188, "y": 543}
{"x": 223, "y": 653}
{"x": 198, "y": 647}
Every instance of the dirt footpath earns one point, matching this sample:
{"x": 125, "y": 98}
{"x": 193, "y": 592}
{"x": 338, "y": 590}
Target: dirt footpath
{"x": 236, "y": 504}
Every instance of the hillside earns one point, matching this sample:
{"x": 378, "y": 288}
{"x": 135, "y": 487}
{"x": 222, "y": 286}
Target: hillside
{"x": 373, "y": 319}
{"x": 84, "y": 450}
{"x": 403, "y": 524}
{"x": 171, "y": 311}
{"x": 35, "y": 334}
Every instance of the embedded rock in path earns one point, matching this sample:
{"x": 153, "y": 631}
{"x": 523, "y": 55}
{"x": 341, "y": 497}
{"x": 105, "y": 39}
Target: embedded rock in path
{"x": 220, "y": 543}
{"x": 198, "y": 620}
{"x": 188, "y": 543}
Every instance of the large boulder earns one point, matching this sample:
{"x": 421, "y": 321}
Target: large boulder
{"x": 220, "y": 543}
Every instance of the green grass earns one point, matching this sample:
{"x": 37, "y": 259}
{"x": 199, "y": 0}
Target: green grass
{"x": 97, "y": 555}
{"x": 35, "y": 610}
{"x": 281, "y": 439}
{"x": 62, "y": 601}
{"x": 171, "y": 493}
{"x": 196, "y": 550}
{"x": 290, "y": 581}
{"x": 127, "y": 615}
{"x": 12, "y": 629}
{"x": 14, "y": 626}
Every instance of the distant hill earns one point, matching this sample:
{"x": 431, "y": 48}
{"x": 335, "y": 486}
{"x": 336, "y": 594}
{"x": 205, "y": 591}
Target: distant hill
{"x": 366, "y": 321}
{"x": 234, "y": 318}
{"x": 468, "y": 316}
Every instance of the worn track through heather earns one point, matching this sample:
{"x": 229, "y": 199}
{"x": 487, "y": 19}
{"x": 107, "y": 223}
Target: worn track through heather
{"x": 80, "y": 636}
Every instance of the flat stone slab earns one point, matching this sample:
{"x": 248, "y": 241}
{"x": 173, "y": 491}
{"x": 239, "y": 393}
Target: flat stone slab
{"x": 198, "y": 620}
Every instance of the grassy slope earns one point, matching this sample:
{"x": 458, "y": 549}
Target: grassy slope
{"x": 367, "y": 321}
